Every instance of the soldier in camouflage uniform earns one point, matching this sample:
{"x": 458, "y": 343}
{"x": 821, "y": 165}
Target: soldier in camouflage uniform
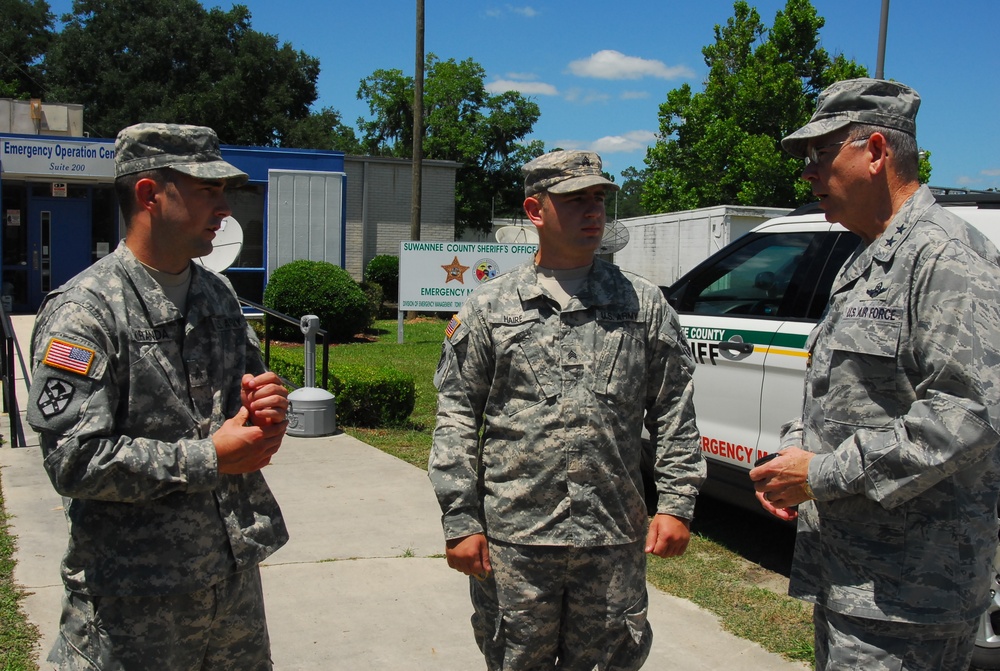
{"x": 546, "y": 377}
{"x": 155, "y": 415}
{"x": 894, "y": 459}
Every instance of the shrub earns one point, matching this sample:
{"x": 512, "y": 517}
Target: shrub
{"x": 373, "y": 293}
{"x": 365, "y": 397}
{"x": 373, "y": 397}
{"x": 383, "y": 270}
{"x": 320, "y": 288}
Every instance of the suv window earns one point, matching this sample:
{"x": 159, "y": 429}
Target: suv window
{"x": 816, "y": 279}
{"x": 770, "y": 275}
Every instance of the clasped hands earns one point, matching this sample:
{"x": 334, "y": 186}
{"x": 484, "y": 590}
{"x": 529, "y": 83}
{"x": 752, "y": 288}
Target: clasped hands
{"x": 246, "y": 442}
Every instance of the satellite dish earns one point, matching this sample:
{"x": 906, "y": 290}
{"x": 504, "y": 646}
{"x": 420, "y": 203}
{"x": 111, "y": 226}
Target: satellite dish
{"x": 517, "y": 234}
{"x": 615, "y": 238}
{"x": 226, "y": 246}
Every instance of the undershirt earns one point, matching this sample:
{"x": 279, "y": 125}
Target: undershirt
{"x": 563, "y": 283}
{"x": 175, "y": 286}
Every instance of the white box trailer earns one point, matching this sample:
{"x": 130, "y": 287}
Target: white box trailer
{"x": 662, "y": 247}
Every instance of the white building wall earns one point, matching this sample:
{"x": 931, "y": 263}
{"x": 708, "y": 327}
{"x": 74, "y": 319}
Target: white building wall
{"x": 662, "y": 247}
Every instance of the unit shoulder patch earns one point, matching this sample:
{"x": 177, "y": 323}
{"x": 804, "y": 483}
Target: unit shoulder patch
{"x": 55, "y": 397}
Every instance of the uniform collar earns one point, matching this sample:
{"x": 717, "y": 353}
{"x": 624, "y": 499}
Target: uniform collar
{"x": 159, "y": 309}
{"x": 596, "y": 291}
{"x": 884, "y": 247}
{"x": 899, "y": 229}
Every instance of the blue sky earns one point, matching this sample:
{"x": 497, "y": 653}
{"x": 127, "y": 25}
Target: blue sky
{"x": 599, "y": 71}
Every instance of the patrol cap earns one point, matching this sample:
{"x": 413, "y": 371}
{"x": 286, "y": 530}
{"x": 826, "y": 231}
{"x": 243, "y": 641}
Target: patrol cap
{"x": 192, "y": 150}
{"x": 866, "y": 101}
{"x": 564, "y": 172}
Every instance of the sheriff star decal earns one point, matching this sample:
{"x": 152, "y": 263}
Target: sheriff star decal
{"x": 455, "y": 271}
{"x": 55, "y": 397}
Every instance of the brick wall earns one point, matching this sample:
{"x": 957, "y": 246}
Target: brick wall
{"x": 378, "y": 206}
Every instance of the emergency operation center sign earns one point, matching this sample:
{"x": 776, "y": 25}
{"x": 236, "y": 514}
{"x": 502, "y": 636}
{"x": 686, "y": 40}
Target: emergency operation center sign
{"x": 439, "y": 276}
{"x": 57, "y": 158}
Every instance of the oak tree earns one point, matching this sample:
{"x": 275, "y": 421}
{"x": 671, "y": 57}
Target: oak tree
{"x": 144, "y": 60}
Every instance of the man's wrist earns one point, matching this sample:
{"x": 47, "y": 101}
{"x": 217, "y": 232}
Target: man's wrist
{"x": 808, "y": 490}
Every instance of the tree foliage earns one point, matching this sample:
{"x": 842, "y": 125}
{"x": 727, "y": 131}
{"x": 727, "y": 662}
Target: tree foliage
{"x": 721, "y": 146}
{"x": 628, "y": 200}
{"x": 143, "y": 60}
{"x": 25, "y": 34}
{"x": 323, "y": 130}
{"x": 463, "y": 123}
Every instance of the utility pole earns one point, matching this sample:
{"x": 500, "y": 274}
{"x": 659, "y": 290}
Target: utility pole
{"x": 418, "y": 126}
{"x": 883, "y": 29}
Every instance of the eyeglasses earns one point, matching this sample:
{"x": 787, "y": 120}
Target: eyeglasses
{"x": 812, "y": 153}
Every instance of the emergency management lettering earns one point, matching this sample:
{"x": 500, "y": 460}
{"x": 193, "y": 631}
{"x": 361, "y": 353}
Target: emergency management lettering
{"x": 442, "y": 291}
{"x": 727, "y": 450}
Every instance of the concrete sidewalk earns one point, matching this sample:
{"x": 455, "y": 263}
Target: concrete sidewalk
{"x": 362, "y": 584}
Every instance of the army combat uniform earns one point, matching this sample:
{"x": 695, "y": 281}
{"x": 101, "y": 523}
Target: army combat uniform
{"x": 126, "y": 395}
{"x": 538, "y": 446}
{"x": 902, "y": 405}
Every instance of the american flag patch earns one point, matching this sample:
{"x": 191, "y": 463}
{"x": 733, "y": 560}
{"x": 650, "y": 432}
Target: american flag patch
{"x": 452, "y": 325}
{"x": 66, "y": 355}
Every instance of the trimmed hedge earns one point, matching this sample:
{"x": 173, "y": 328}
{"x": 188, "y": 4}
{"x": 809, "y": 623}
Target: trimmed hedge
{"x": 366, "y": 397}
{"x": 383, "y": 270}
{"x": 320, "y": 288}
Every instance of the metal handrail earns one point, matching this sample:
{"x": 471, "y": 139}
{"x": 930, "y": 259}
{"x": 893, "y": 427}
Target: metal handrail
{"x": 9, "y": 378}
{"x": 268, "y": 312}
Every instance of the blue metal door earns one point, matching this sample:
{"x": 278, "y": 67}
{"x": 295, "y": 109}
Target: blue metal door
{"x": 59, "y": 244}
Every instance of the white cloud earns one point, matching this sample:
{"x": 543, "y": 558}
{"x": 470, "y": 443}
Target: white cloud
{"x": 634, "y": 95}
{"x": 529, "y": 12}
{"x": 586, "y": 96}
{"x": 619, "y": 144}
{"x": 610, "y": 64}
{"x": 964, "y": 180}
{"x": 612, "y": 144}
{"x": 522, "y": 76}
{"x": 526, "y": 87}
{"x": 994, "y": 172}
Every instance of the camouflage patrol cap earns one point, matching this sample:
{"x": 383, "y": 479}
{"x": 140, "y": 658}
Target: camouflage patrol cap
{"x": 866, "y": 101}
{"x": 192, "y": 150}
{"x": 563, "y": 172}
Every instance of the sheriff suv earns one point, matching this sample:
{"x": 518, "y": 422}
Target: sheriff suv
{"x": 746, "y": 312}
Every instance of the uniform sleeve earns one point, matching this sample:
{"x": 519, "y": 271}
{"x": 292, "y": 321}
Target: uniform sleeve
{"x": 670, "y": 419}
{"x": 255, "y": 359}
{"x": 953, "y": 423}
{"x": 73, "y": 404}
{"x": 463, "y": 380}
{"x": 790, "y": 434}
